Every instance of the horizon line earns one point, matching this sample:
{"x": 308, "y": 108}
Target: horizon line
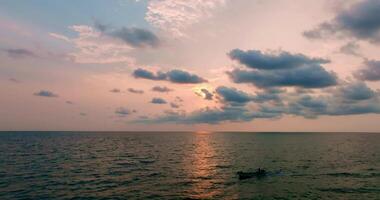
{"x": 89, "y": 131}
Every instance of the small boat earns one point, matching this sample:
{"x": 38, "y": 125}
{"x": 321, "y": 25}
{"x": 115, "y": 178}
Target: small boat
{"x": 259, "y": 173}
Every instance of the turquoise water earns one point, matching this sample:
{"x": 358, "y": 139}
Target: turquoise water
{"x": 70, "y": 165}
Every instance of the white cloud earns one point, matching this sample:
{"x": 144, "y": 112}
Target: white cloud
{"x": 94, "y": 47}
{"x": 175, "y": 16}
{"x": 60, "y": 37}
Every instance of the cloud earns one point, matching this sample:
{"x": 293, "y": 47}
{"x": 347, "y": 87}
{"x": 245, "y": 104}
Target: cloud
{"x": 313, "y": 104}
{"x": 178, "y": 99}
{"x": 350, "y": 48}
{"x": 14, "y": 80}
{"x": 232, "y": 95}
{"x": 93, "y": 47}
{"x": 314, "y": 108}
{"x": 174, "y": 105}
{"x": 271, "y": 94}
{"x": 157, "y": 100}
{"x": 145, "y": 74}
{"x": 215, "y": 116}
{"x": 175, "y": 16}
{"x": 115, "y": 90}
{"x": 135, "y": 37}
{"x": 360, "y": 21}
{"x": 235, "y": 97}
{"x": 323, "y": 30}
{"x": 371, "y": 71}
{"x": 122, "y": 112}
{"x": 101, "y": 27}
{"x": 350, "y": 98}
{"x": 313, "y": 76}
{"x": 20, "y": 53}
{"x": 174, "y": 76}
{"x": 207, "y": 95}
{"x": 45, "y": 93}
{"x": 267, "y": 61}
{"x": 281, "y": 70}
{"x": 210, "y": 116}
{"x": 69, "y": 102}
{"x": 357, "y": 91}
{"x": 101, "y": 44}
{"x": 179, "y": 76}
{"x": 60, "y": 37}
{"x": 163, "y": 89}
{"x": 135, "y": 91}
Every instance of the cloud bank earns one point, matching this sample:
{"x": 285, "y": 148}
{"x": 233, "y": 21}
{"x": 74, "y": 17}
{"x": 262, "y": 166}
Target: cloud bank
{"x": 281, "y": 70}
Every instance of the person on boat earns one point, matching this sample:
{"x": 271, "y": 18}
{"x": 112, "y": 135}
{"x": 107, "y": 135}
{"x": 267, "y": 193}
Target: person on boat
{"x": 260, "y": 171}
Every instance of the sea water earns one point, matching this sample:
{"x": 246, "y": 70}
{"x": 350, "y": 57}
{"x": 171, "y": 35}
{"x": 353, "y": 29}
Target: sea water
{"x": 144, "y": 165}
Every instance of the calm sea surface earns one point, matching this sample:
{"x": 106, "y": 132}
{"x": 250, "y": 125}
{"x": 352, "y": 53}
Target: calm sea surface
{"x": 70, "y": 165}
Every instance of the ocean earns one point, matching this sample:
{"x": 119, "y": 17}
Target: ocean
{"x": 171, "y": 165}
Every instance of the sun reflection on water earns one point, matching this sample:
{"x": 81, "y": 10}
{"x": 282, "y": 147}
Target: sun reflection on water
{"x": 202, "y": 170}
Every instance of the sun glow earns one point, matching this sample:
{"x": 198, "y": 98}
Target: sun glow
{"x": 199, "y": 89}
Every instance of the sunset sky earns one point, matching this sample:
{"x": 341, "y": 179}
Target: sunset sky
{"x": 190, "y": 65}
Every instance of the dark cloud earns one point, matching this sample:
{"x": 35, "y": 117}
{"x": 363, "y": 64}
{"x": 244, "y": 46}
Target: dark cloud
{"x": 210, "y": 116}
{"x": 265, "y": 61}
{"x": 357, "y": 91}
{"x": 136, "y": 37}
{"x": 20, "y": 53}
{"x": 307, "y": 106}
{"x": 158, "y": 101}
{"x": 306, "y": 111}
{"x": 370, "y": 72}
{"x": 215, "y": 116}
{"x": 350, "y": 48}
{"x": 83, "y": 114}
{"x": 145, "y": 74}
{"x": 178, "y": 99}
{"x": 69, "y": 102}
{"x": 350, "y": 98}
{"x": 309, "y": 102}
{"x": 122, "y": 112}
{"x": 174, "y": 76}
{"x": 205, "y": 94}
{"x": 281, "y": 70}
{"x": 163, "y": 89}
{"x": 232, "y": 95}
{"x": 101, "y": 27}
{"x": 179, "y": 76}
{"x": 271, "y": 94}
{"x": 323, "y": 30}
{"x": 313, "y": 76}
{"x": 45, "y": 93}
{"x": 174, "y": 105}
{"x": 355, "y": 109}
{"x": 313, "y": 108}
{"x": 115, "y": 90}
{"x": 14, "y": 80}
{"x": 360, "y": 21}
{"x": 135, "y": 91}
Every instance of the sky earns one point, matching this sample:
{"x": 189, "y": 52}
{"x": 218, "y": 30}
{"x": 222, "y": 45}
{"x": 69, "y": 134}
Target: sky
{"x": 190, "y": 65}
